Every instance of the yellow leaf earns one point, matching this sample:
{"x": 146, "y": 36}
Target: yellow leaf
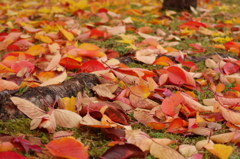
{"x": 68, "y": 103}
{"x": 220, "y": 150}
{"x": 66, "y": 33}
{"x": 186, "y": 31}
{"x": 222, "y": 40}
{"x": 56, "y": 9}
{"x": 43, "y": 38}
{"x": 36, "y": 50}
{"x": 127, "y": 39}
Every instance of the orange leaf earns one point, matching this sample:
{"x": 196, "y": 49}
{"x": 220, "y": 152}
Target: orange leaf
{"x": 141, "y": 91}
{"x": 88, "y": 46}
{"x": 163, "y": 60}
{"x": 169, "y": 104}
{"x": 70, "y": 63}
{"x": 156, "y": 125}
{"x": 67, "y": 148}
{"x": 9, "y": 60}
{"x": 176, "y": 126}
{"x": 45, "y": 76}
{"x": 6, "y": 146}
{"x": 56, "y": 80}
{"x": 87, "y": 53}
{"x": 4, "y": 69}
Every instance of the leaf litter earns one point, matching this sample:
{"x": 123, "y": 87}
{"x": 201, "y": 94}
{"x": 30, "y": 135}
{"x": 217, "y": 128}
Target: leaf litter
{"x": 45, "y": 41}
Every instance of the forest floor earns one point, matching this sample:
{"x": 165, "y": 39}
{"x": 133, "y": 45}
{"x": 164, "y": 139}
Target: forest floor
{"x": 169, "y": 82}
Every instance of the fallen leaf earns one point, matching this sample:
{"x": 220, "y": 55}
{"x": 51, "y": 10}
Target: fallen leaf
{"x": 56, "y": 80}
{"x": 67, "y": 148}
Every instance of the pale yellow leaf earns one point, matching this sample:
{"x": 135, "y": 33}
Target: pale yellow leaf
{"x": 164, "y": 152}
{"x": 46, "y": 121}
{"x": 54, "y": 62}
{"x": 116, "y": 30}
{"x": 187, "y": 150}
{"x": 146, "y": 36}
{"x": 229, "y": 115}
{"x": 7, "y": 85}
{"x": 223, "y": 138}
{"x": 66, "y": 118}
{"x": 27, "y": 107}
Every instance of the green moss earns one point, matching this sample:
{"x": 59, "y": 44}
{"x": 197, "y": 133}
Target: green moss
{"x": 15, "y": 126}
{"x": 144, "y": 66}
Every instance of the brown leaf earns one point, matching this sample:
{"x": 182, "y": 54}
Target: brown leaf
{"x": 201, "y": 131}
{"x": 143, "y": 103}
{"x": 123, "y": 151}
{"x": 105, "y": 90}
{"x": 143, "y": 116}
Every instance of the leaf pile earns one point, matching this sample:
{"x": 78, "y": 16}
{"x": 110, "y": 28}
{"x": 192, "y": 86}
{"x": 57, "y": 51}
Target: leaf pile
{"x": 44, "y": 42}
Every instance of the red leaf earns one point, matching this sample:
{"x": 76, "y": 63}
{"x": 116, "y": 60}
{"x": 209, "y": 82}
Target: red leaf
{"x": 163, "y": 60}
{"x": 102, "y": 10}
{"x": 70, "y": 63}
{"x": 236, "y": 88}
{"x": 123, "y": 152}
{"x": 79, "y": 11}
{"x": 176, "y": 75}
{"x": 192, "y": 25}
{"x": 198, "y": 47}
{"x": 114, "y": 112}
{"x": 231, "y": 44}
{"x": 91, "y": 66}
{"x": 26, "y": 144}
{"x": 176, "y": 126}
{"x": 114, "y": 134}
{"x": 19, "y": 65}
{"x": 189, "y": 64}
{"x": 94, "y": 33}
{"x": 230, "y": 68}
{"x": 11, "y": 155}
{"x": 67, "y": 148}
{"x": 13, "y": 48}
